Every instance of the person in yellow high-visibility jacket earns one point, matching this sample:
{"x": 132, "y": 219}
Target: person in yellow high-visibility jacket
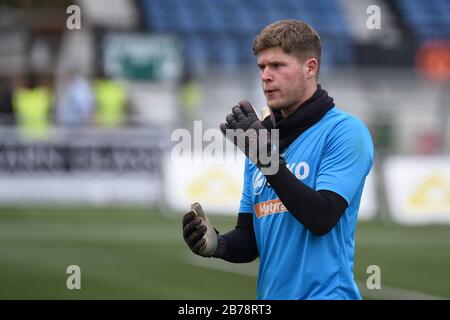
{"x": 111, "y": 103}
{"x": 190, "y": 96}
{"x": 32, "y": 105}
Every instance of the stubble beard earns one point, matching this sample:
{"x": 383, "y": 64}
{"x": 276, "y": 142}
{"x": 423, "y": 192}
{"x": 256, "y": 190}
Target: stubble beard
{"x": 286, "y": 107}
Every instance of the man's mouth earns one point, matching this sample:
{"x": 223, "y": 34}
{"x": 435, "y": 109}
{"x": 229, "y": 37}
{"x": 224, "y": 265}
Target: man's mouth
{"x": 269, "y": 91}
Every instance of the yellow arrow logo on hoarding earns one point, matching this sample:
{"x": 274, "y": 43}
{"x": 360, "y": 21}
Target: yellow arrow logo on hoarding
{"x": 432, "y": 194}
{"x": 215, "y": 185}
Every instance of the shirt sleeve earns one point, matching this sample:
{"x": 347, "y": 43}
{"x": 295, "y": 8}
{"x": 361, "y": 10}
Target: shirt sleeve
{"x": 347, "y": 159}
{"x": 246, "y": 205}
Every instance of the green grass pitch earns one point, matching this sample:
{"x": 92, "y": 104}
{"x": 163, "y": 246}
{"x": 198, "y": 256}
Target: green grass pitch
{"x": 140, "y": 254}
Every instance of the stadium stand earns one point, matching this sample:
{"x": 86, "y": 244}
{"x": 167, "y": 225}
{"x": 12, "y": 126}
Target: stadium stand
{"x": 220, "y": 33}
{"x": 426, "y": 19}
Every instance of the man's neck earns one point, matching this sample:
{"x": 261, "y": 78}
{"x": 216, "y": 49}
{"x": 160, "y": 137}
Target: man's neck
{"x": 286, "y": 112}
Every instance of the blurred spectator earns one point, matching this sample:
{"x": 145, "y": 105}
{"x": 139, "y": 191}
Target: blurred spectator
{"x": 76, "y": 105}
{"x": 111, "y": 101}
{"x": 6, "y": 104}
{"x": 190, "y": 96}
{"x": 32, "y": 104}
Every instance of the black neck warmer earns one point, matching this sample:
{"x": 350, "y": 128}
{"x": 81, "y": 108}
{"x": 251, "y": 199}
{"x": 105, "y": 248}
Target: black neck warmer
{"x": 305, "y": 116}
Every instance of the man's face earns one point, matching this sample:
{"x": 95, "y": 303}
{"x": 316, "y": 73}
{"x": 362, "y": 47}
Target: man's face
{"x": 283, "y": 79}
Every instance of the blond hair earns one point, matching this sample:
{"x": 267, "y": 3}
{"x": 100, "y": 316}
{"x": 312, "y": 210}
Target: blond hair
{"x": 293, "y": 36}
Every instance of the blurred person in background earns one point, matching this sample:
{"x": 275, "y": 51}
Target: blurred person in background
{"x": 112, "y": 107}
{"x": 190, "y": 96}
{"x": 76, "y": 104}
{"x": 301, "y": 220}
{"x": 33, "y": 107}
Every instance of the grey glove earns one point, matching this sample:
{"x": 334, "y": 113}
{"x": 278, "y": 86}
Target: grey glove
{"x": 198, "y": 232}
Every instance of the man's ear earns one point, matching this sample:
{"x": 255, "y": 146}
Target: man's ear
{"x": 310, "y": 67}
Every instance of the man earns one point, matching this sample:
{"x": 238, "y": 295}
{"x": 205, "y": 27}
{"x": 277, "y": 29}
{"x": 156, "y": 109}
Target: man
{"x": 76, "y": 102}
{"x": 299, "y": 221}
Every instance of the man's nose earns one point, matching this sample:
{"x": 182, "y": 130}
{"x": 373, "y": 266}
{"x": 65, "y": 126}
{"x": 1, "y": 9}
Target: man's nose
{"x": 266, "y": 75}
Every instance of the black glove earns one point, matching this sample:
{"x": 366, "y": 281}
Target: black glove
{"x": 198, "y": 232}
{"x": 253, "y": 138}
{"x": 243, "y": 117}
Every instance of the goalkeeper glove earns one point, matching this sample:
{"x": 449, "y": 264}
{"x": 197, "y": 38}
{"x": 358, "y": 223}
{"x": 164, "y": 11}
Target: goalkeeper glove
{"x": 198, "y": 232}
